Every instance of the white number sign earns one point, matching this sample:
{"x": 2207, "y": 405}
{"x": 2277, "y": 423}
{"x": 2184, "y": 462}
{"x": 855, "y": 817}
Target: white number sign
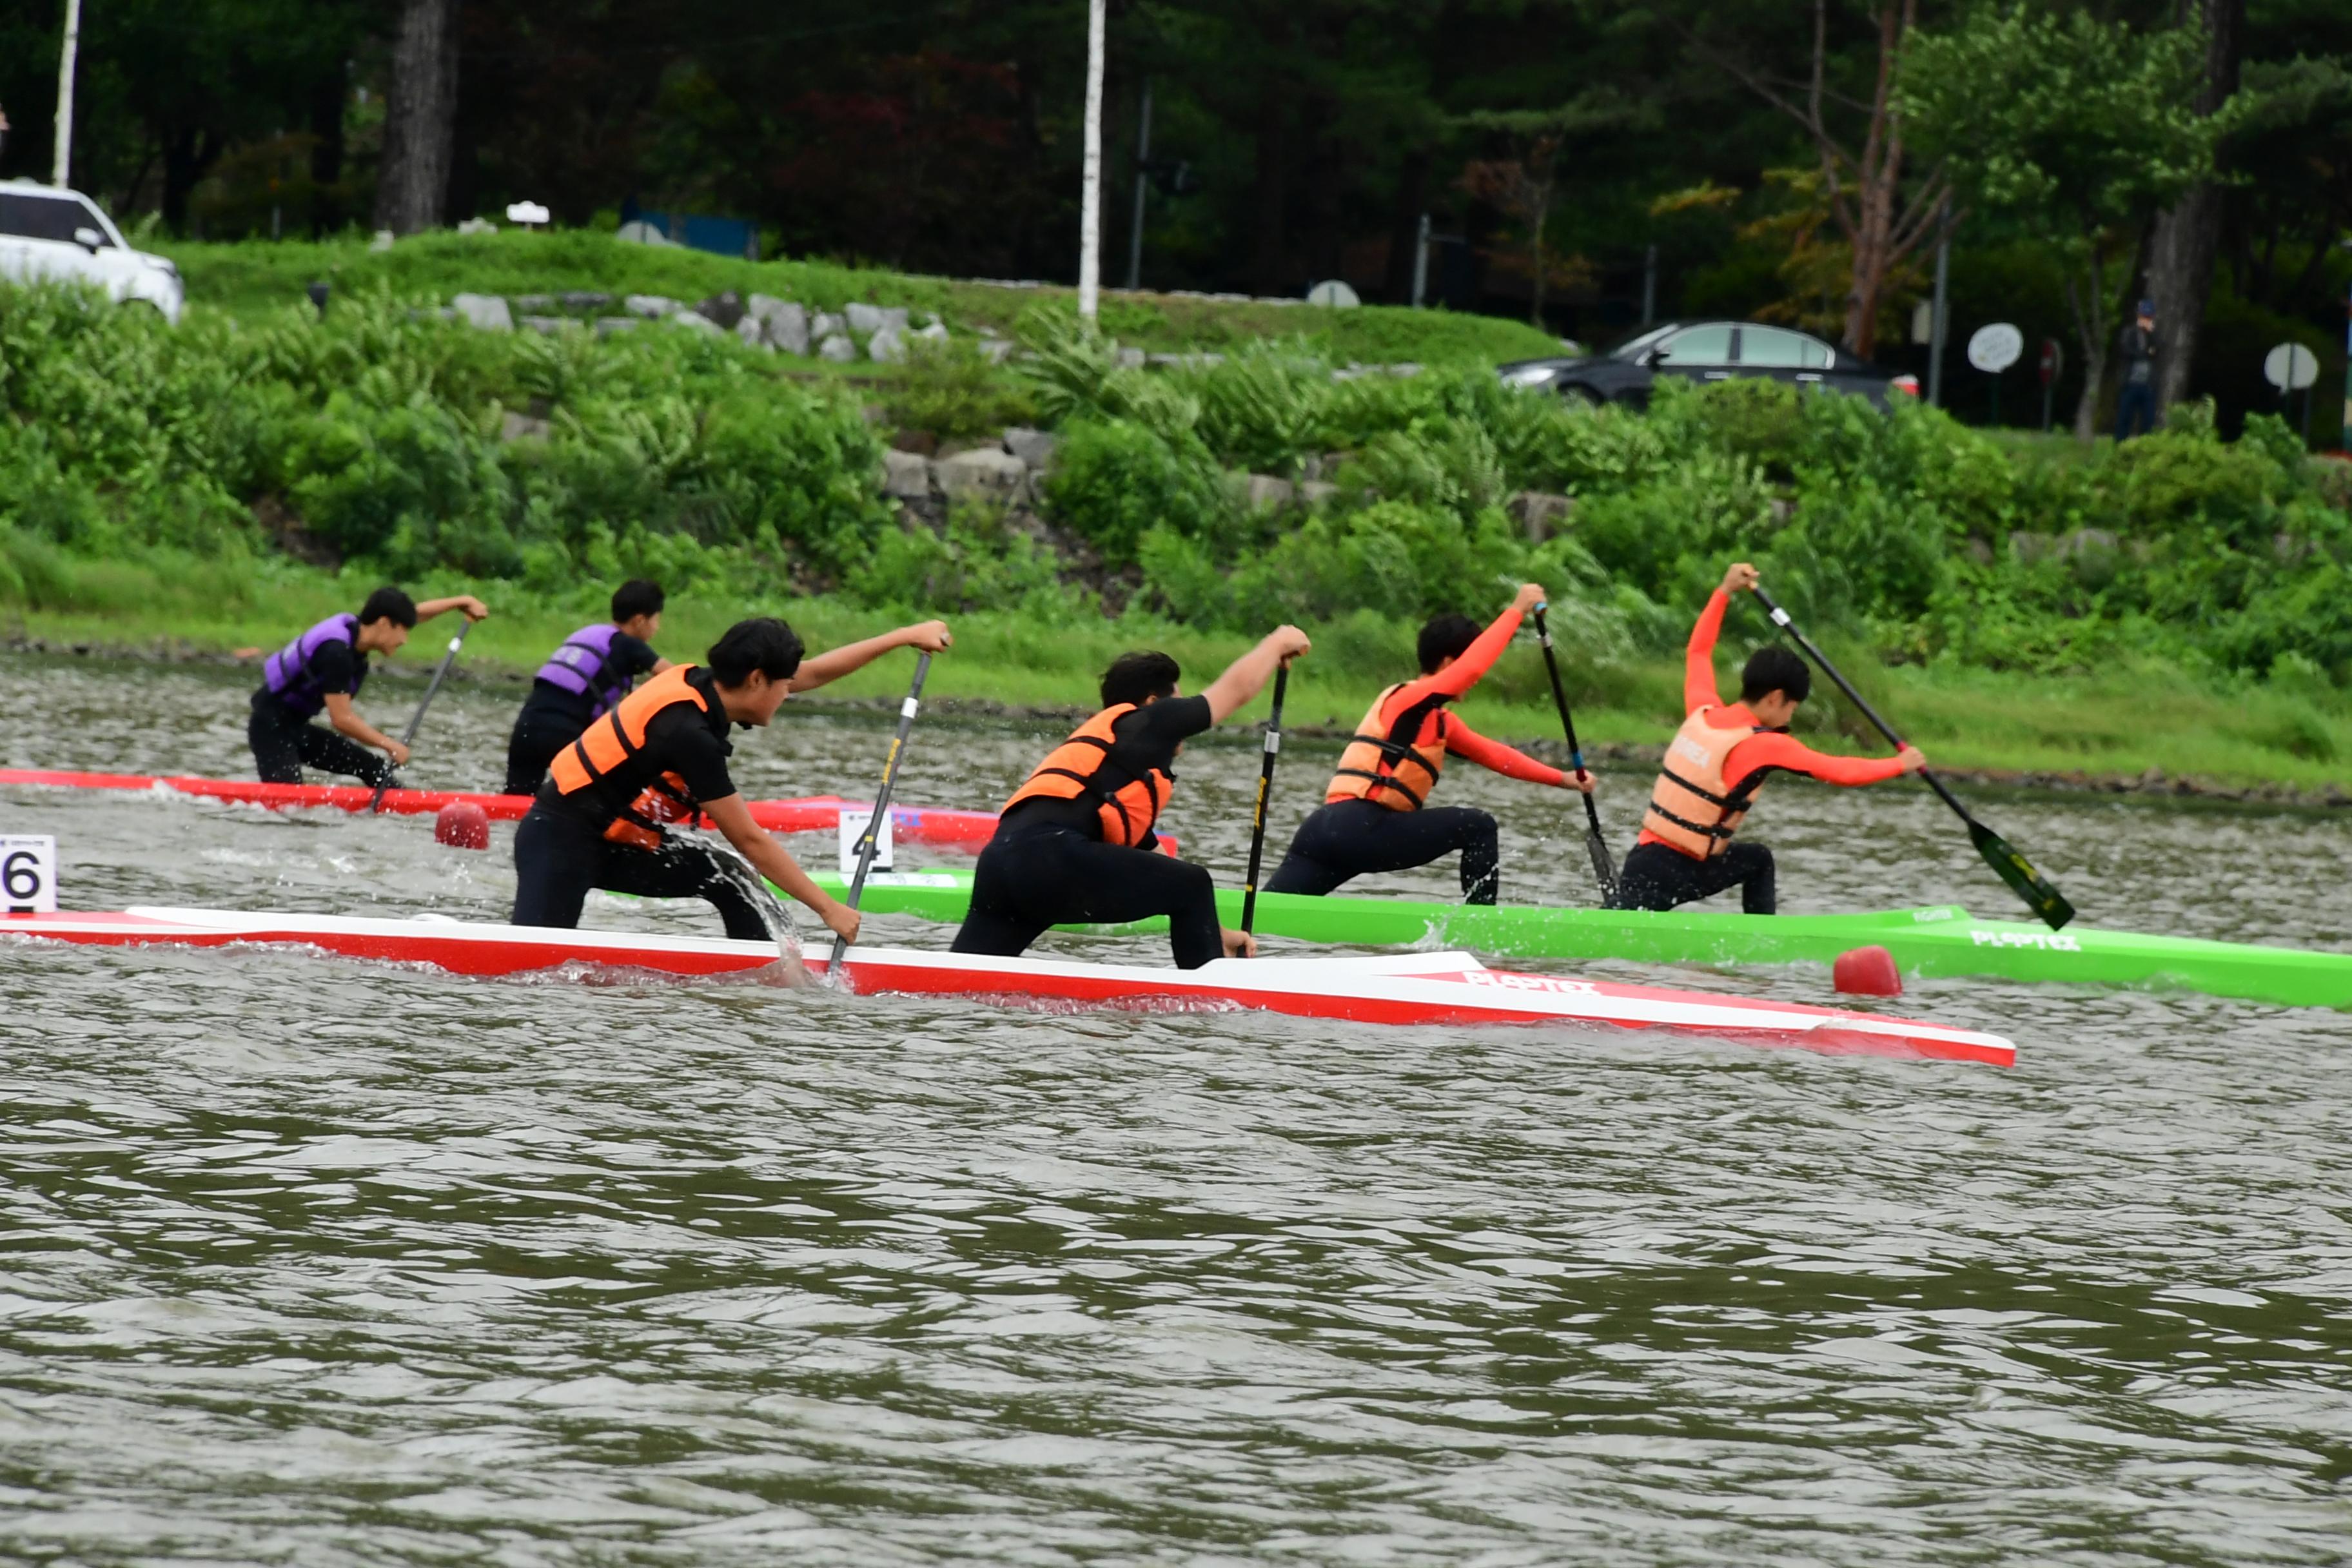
{"x": 853, "y": 828}
{"x": 28, "y": 875}
{"x": 1993, "y": 349}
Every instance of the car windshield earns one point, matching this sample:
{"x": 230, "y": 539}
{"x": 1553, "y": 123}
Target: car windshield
{"x": 29, "y": 217}
{"x": 1636, "y": 347}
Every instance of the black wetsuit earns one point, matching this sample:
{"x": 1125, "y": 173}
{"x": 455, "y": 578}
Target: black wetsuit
{"x": 1349, "y": 838}
{"x": 552, "y": 718}
{"x": 1048, "y": 866}
{"x": 284, "y": 742}
{"x": 560, "y": 851}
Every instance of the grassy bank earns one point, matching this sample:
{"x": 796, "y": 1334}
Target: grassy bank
{"x": 252, "y": 277}
{"x": 2225, "y": 732}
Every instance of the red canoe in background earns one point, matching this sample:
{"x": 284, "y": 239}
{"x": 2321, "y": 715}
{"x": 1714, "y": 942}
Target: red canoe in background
{"x": 811, "y": 813}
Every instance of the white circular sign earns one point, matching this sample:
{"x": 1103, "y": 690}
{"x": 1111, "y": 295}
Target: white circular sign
{"x": 1993, "y": 349}
{"x": 2290, "y": 367}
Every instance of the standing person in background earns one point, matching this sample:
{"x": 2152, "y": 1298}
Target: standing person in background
{"x": 584, "y": 679}
{"x": 2137, "y": 346}
{"x": 324, "y": 668}
{"x": 1715, "y": 763}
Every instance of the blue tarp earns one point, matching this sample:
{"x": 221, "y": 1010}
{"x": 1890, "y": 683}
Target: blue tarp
{"x": 697, "y": 231}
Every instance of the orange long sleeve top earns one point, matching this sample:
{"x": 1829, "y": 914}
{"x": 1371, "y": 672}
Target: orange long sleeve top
{"x": 1438, "y": 725}
{"x": 1771, "y": 749}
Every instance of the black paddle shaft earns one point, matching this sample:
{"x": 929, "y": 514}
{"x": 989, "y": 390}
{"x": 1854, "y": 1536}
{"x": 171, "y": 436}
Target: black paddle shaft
{"x": 2013, "y": 867}
{"x": 416, "y": 719}
{"x": 1265, "y": 789}
{"x": 1604, "y": 869}
{"x": 868, "y": 841}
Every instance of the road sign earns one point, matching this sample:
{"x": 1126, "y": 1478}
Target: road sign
{"x": 1994, "y": 348}
{"x": 2290, "y": 367}
{"x": 2052, "y": 366}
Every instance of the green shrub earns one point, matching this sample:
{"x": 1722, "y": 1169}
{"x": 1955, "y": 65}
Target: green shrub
{"x": 1115, "y": 480}
{"x": 952, "y": 390}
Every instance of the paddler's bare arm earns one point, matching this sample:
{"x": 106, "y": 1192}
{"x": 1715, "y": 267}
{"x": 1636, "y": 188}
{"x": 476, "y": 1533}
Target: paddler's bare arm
{"x": 932, "y": 637}
{"x": 475, "y": 610}
{"x": 347, "y": 721}
{"x": 1246, "y": 676}
{"x": 733, "y": 818}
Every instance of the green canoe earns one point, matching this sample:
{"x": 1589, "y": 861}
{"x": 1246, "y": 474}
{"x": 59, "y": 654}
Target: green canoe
{"x": 1941, "y": 941}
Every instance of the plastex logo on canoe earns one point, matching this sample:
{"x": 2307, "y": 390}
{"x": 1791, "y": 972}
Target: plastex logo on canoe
{"x": 1508, "y": 981}
{"x": 2048, "y": 941}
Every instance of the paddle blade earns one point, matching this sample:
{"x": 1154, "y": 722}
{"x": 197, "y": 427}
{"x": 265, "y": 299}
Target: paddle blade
{"x": 2028, "y": 884}
{"x": 1604, "y": 868}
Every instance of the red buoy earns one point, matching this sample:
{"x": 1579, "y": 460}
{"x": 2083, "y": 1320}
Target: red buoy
{"x": 1868, "y": 972}
{"x": 462, "y": 824}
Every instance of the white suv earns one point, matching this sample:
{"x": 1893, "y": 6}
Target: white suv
{"x": 48, "y": 234}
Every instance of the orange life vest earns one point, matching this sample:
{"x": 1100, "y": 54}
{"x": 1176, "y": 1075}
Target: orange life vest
{"x": 1076, "y": 770}
{"x": 1689, "y": 807}
{"x": 1380, "y": 766}
{"x": 617, "y": 736}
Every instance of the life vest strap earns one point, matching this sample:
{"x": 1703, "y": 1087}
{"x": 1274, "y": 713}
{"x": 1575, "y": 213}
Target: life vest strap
{"x": 1380, "y": 780}
{"x": 1719, "y": 832}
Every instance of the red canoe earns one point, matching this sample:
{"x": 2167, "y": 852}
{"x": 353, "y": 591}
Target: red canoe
{"x": 811, "y": 813}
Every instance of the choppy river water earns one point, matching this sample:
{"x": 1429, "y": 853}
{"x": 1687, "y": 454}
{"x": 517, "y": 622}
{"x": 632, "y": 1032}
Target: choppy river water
{"x": 320, "y": 1262}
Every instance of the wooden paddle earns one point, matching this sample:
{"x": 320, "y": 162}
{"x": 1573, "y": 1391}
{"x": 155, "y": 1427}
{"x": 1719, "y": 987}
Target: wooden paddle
{"x": 1604, "y": 869}
{"x": 2045, "y": 900}
{"x": 1265, "y": 788}
{"x": 408, "y": 736}
{"x": 865, "y": 841}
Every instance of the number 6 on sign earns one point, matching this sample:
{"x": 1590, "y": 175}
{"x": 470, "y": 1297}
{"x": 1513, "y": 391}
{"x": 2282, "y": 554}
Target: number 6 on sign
{"x": 28, "y": 875}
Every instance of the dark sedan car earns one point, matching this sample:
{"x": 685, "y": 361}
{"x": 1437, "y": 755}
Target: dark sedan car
{"x": 1709, "y": 350}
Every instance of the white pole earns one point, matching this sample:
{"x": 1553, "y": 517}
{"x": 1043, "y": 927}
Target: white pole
{"x": 63, "y": 166}
{"x": 1090, "y": 200}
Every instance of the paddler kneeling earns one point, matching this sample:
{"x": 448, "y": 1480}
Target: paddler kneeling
{"x": 324, "y": 669}
{"x": 1075, "y": 845}
{"x": 1715, "y": 763}
{"x": 1376, "y": 816}
{"x": 660, "y": 757}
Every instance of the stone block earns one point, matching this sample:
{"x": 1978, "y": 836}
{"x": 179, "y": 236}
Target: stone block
{"x": 837, "y": 349}
{"x": 785, "y": 324}
{"x": 725, "y": 308}
{"x": 1131, "y": 359}
{"x": 886, "y": 347}
{"x": 1539, "y": 514}
{"x": 487, "y": 312}
{"x": 995, "y": 351}
{"x": 695, "y": 321}
{"x": 1035, "y": 448}
{"x": 866, "y": 320}
{"x": 1264, "y": 492}
{"x": 514, "y": 426}
{"x": 546, "y": 326}
{"x": 826, "y": 325}
{"x": 585, "y": 302}
{"x": 984, "y": 473}
{"x": 477, "y": 226}
{"x": 906, "y": 475}
{"x": 383, "y": 240}
{"x": 651, "y": 306}
{"x": 608, "y": 325}
{"x": 753, "y": 334}
{"x": 937, "y": 333}
{"x": 1316, "y": 493}
{"x": 534, "y": 304}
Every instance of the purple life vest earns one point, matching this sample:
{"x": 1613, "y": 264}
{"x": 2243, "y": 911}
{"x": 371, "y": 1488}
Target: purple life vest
{"x": 287, "y": 673}
{"x": 583, "y": 666}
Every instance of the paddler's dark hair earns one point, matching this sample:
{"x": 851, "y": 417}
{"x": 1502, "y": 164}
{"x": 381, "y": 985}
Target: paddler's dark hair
{"x": 764, "y": 643}
{"x": 637, "y": 597}
{"x": 1775, "y": 669}
{"x": 1444, "y": 638}
{"x": 389, "y": 605}
{"x": 1139, "y": 677}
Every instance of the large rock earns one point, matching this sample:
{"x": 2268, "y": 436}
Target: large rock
{"x": 984, "y": 473}
{"x": 995, "y": 351}
{"x": 1539, "y": 514}
{"x": 608, "y": 325}
{"x": 866, "y": 320}
{"x": 534, "y": 304}
{"x": 487, "y": 312}
{"x": 695, "y": 321}
{"x": 887, "y": 346}
{"x": 516, "y": 426}
{"x": 838, "y": 348}
{"x": 546, "y": 326}
{"x": 783, "y": 324}
{"x": 726, "y": 308}
{"x": 1264, "y": 492}
{"x": 1317, "y": 492}
{"x": 585, "y": 302}
{"x": 935, "y": 332}
{"x": 1035, "y": 448}
{"x": 1131, "y": 359}
{"x": 651, "y": 306}
{"x": 824, "y": 326}
{"x": 906, "y": 475}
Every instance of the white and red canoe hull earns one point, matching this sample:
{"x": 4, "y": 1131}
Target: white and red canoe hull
{"x": 812, "y": 814}
{"x": 1411, "y": 988}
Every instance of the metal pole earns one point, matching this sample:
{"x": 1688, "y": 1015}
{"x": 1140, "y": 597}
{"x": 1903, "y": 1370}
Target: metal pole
{"x": 1142, "y": 153}
{"x": 1421, "y": 267}
{"x": 1940, "y": 324}
{"x": 1650, "y": 284}
{"x": 63, "y": 165}
{"x": 1090, "y": 179}
{"x": 2344, "y": 432}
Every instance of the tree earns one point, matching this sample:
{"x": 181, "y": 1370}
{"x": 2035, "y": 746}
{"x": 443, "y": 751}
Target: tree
{"x": 2072, "y": 129}
{"x": 1524, "y": 185}
{"x": 1862, "y": 168}
{"x": 2187, "y": 234}
{"x": 420, "y": 123}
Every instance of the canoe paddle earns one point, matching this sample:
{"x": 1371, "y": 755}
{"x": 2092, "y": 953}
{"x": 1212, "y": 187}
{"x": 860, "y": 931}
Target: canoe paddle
{"x": 408, "y": 736}
{"x": 2027, "y": 883}
{"x": 1604, "y": 869}
{"x": 1265, "y": 788}
{"x": 865, "y": 841}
